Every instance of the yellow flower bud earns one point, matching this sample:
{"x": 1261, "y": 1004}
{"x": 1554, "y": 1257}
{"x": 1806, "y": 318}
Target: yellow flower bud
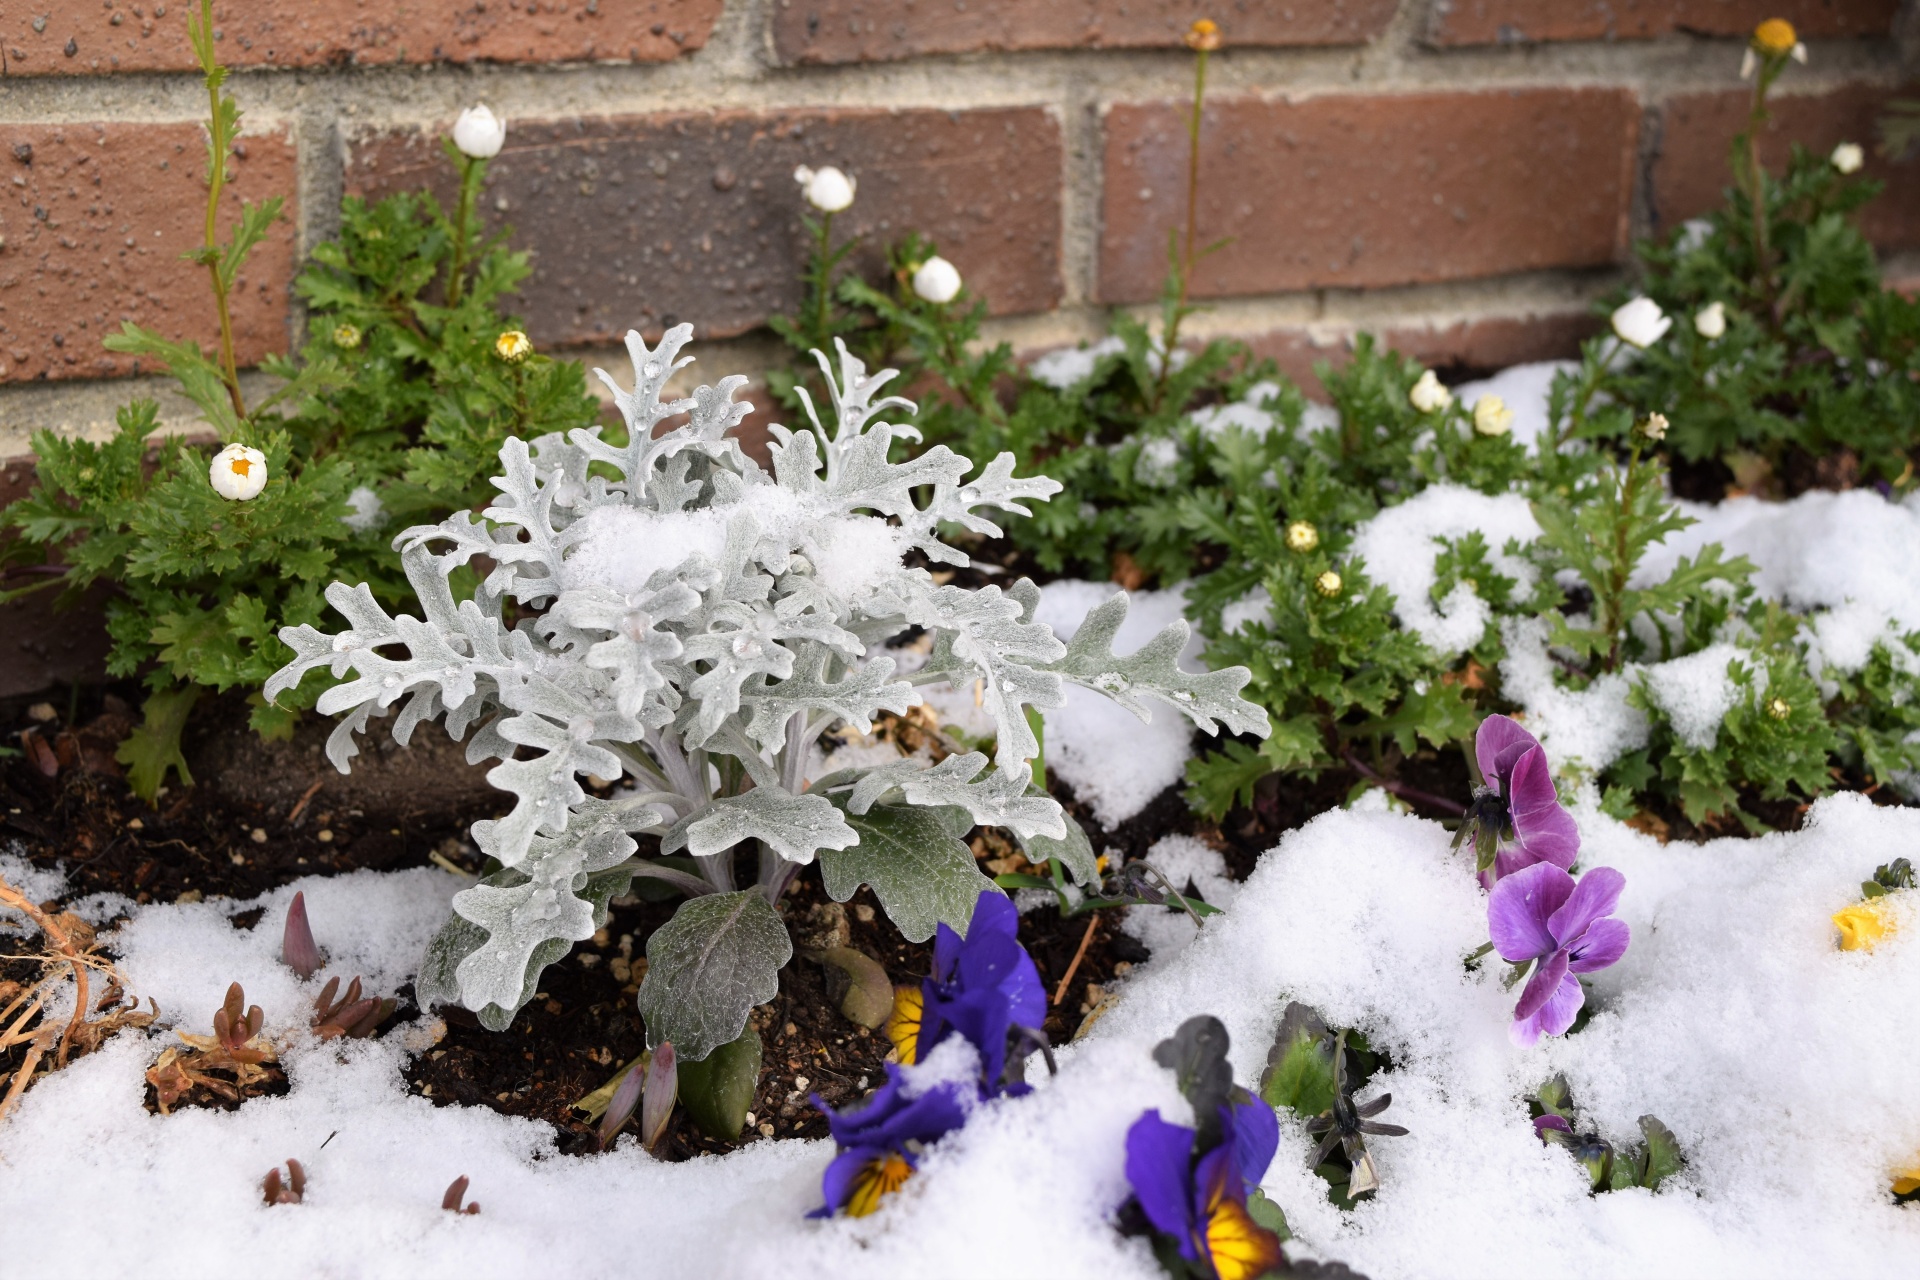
{"x": 1779, "y": 708}
{"x": 346, "y": 337}
{"x": 1775, "y": 37}
{"x": 1302, "y": 536}
{"x": 1203, "y": 36}
{"x": 512, "y": 346}
{"x": 1864, "y": 924}
{"x": 1328, "y": 584}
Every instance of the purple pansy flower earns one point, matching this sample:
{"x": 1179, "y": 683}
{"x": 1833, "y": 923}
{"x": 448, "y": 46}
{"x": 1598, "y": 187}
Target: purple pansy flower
{"x": 1515, "y": 819}
{"x": 982, "y": 987}
{"x": 1539, "y": 915}
{"x": 1202, "y": 1204}
{"x": 880, "y": 1143}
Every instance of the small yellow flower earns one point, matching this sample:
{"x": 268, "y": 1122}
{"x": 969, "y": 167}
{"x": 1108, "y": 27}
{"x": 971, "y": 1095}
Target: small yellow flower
{"x": 1779, "y": 708}
{"x": 1907, "y": 1181}
{"x": 346, "y": 337}
{"x": 1302, "y": 536}
{"x": 512, "y": 346}
{"x": 1327, "y": 584}
{"x": 1491, "y": 417}
{"x": 1203, "y": 36}
{"x": 1864, "y": 924}
{"x": 1775, "y": 37}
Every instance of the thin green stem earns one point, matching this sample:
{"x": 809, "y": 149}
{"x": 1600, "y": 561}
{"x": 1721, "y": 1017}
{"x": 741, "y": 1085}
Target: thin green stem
{"x": 471, "y": 171}
{"x": 1193, "y": 175}
{"x": 823, "y": 281}
{"x": 216, "y": 182}
{"x": 1619, "y": 571}
{"x": 1757, "y": 188}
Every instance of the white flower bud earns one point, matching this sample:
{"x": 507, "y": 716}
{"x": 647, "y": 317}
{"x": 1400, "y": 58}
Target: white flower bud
{"x": 1428, "y": 396}
{"x": 479, "y": 133}
{"x": 1848, "y": 157}
{"x": 1641, "y": 323}
{"x": 1710, "y": 321}
{"x": 1799, "y": 53}
{"x": 827, "y": 190}
{"x": 937, "y": 280}
{"x": 1491, "y": 417}
{"x": 238, "y": 472}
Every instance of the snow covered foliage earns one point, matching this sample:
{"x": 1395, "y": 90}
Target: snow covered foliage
{"x": 661, "y": 609}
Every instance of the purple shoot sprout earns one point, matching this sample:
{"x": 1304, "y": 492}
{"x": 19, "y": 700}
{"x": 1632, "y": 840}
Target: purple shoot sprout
{"x": 298, "y": 951}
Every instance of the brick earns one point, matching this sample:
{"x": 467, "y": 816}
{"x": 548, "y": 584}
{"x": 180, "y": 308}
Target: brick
{"x": 1462, "y": 349}
{"x": 1365, "y": 190}
{"x": 642, "y": 222}
{"x": 87, "y": 37}
{"x": 839, "y": 31}
{"x": 93, "y": 220}
{"x": 1465, "y": 22}
{"x": 1690, "y": 172}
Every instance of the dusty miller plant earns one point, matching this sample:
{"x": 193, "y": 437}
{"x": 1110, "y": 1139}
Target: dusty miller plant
{"x": 689, "y": 622}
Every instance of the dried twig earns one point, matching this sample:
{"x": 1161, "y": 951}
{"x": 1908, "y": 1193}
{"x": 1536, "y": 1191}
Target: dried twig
{"x": 12, "y": 897}
{"x": 1060, "y": 992}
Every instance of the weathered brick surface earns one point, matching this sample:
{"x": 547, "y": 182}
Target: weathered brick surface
{"x": 89, "y": 37}
{"x": 643, "y": 222}
{"x": 1691, "y": 171}
{"x": 94, "y": 218}
{"x": 1460, "y": 22}
{"x": 1365, "y": 190}
{"x": 1466, "y": 347}
{"x": 834, "y": 31}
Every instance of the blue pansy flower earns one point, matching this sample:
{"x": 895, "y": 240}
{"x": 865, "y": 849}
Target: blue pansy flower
{"x": 983, "y": 988}
{"x": 880, "y": 1144}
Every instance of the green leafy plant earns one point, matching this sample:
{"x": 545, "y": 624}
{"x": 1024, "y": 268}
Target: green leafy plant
{"x": 395, "y": 411}
{"x": 663, "y": 610}
{"x": 1789, "y": 349}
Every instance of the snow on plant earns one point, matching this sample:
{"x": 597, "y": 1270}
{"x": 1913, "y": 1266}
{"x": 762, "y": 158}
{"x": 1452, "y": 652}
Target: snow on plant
{"x": 691, "y": 623}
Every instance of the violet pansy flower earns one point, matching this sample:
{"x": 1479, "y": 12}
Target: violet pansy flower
{"x": 1538, "y": 915}
{"x": 1515, "y": 819}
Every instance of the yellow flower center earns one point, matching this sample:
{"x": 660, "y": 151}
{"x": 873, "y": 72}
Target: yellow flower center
{"x": 1779, "y": 708}
{"x": 1775, "y": 37}
{"x": 346, "y": 336}
{"x": 877, "y": 1180}
{"x": 1204, "y": 35}
{"x": 1327, "y": 584}
{"x": 240, "y": 466}
{"x": 903, "y": 1024}
{"x": 512, "y": 346}
{"x": 1302, "y": 536}
{"x": 1865, "y": 924}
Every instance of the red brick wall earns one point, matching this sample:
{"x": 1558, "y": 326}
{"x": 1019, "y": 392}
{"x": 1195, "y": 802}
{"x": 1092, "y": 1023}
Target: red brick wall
{"x": 1462, "y": 174}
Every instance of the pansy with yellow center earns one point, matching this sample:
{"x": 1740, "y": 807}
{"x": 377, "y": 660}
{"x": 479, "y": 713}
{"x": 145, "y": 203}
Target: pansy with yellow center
{"x": 1907, "y": 1181}
{"x": 1202, "y": 1204}
{"x": 880, "y": 1144}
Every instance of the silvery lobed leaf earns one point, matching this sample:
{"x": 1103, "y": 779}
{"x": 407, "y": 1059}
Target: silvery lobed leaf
{"x": 854, "y": 698}
{"x": 1003, "y": 798}
{"x": 1154, "y": 671}
{"x": 794, "y": 827}
{"x": 708, "y": 967}
{"x": 980, "y": 635}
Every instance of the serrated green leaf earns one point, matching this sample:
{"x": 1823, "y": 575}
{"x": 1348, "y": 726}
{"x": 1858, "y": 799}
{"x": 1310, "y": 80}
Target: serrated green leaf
{"x": 922, "y": 873}
{"x": 154, "y": 745}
